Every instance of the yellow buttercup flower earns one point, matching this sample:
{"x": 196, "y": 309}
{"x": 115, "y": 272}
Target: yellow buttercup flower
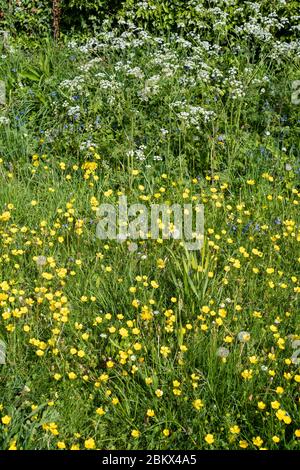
{"x": 89, "y": 444}
{"x": 209, "y": 438}
{"x": 6, "y": 420}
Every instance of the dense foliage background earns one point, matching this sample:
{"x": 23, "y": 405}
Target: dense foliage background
{"x": 137, "y": 342}
{"x": 208, "y": 16}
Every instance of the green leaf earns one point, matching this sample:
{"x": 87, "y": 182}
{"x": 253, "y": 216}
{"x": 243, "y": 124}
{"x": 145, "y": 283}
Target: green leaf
{"x": 30, "y": 75}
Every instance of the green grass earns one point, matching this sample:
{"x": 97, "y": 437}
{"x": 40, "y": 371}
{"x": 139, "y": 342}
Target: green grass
{"x": 242, "y": 163}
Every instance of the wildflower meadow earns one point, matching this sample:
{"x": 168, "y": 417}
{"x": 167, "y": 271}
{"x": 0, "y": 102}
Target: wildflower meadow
{"x": 162, "y": 335}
